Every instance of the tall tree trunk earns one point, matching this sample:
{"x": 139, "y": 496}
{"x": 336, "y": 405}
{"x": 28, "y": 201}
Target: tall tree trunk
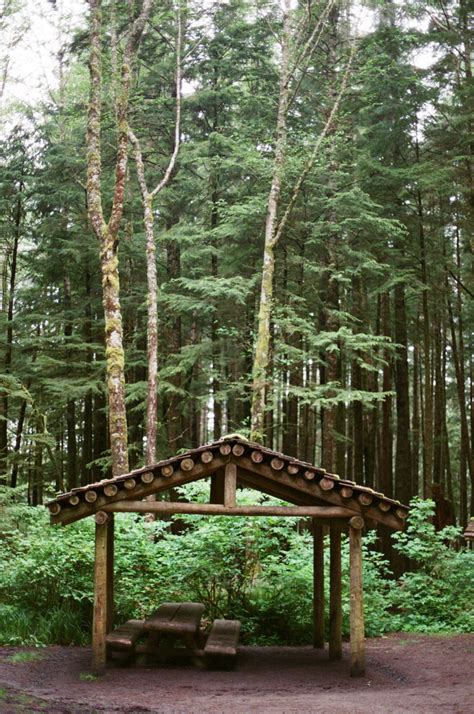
{"x": 415, "y": 424}
{"x": 107, "y": 232}
{"x": 427, "y": 367}
{"x": 403, "y": 452}
{"x": 70, "y": 406}
{"x": 386, "y": 440}
{"x": 152, "y": 284}
{"x": 87, "y": 440}
{"x": 466, "y": 457}
{"x": 439, "y": 450}
{"x": 7, "y": 363}
{"x": 173, "y": 340}
{"x": 357, "y": 408}
{"x": 262, "y": 346}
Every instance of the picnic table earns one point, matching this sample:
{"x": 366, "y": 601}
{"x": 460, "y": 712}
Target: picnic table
{"x": 174, "y": 624}
{"x": 176, "y": 621}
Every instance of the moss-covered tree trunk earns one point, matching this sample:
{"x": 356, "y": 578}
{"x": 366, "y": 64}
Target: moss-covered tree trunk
{"x": 262, "y": 345}
{"x": 107, "y": 232}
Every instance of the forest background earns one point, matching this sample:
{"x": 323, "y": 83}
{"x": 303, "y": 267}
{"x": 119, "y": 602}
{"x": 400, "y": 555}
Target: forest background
{"x": 288, "y": 201}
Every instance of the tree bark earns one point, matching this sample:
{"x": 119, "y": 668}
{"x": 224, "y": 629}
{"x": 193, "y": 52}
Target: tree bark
{"x": 107, "y": 232}
{"x": 7, "y": 363}
{"x": 403, "y": 450}
{"x": 262, "y": 346}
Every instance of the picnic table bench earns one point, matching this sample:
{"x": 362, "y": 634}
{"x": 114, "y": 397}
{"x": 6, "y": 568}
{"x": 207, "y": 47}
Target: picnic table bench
{"x": 221, "y": 645}
{"x": 124, "y": 638}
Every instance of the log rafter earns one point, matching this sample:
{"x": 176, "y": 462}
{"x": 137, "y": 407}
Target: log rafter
{"x": 260, "y": 468}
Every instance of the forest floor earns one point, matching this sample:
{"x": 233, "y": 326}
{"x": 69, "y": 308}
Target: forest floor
{"x": 405, "y": 673}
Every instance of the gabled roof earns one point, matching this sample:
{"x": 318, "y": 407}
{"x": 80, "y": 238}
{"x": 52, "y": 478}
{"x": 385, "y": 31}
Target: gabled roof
{"x": 260, "y": 468}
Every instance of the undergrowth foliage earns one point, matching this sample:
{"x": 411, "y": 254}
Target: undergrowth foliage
{"x": 257, "y": 570}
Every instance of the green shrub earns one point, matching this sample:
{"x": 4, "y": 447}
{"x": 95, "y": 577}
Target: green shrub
{"x": 437, "y": 595}
{"x": 259, "y": 571}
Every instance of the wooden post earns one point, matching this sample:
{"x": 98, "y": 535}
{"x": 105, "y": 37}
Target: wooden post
{"x": 99, "y": 625}
{"x": 335, "y": 604}
{"x": 230, "y": 484}
{"x": 110, "y": 573}
{"x": 357, "y": 604}
{"x": 318, "y": 585}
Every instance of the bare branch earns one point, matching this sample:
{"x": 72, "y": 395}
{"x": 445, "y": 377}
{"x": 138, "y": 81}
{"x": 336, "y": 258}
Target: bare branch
{"x": 177, "y": 129}
{"x": 314, "y": 153}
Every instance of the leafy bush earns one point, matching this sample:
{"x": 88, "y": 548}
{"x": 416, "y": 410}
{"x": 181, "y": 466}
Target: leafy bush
{"x": 437, "y": 595}
{"x": 257, "y": 570}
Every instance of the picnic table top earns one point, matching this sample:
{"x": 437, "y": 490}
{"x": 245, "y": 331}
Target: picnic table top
{"x": 177, "y": 617}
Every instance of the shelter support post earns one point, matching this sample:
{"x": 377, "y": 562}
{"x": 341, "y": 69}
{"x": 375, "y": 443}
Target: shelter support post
{"x": 356, "y": 602}
{"x": 318, "y": 585}
{"x": 102, "y": 589}
{"x": 230, "y": 484}
{"x": 110, "y": 572}
{"x": 335, "y": 603}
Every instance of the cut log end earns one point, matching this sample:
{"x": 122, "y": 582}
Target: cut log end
{"x": 90, "y": 496}
{"x": 309, "y": 475}
{"x": 206, "y": 457}
{"x": 147, "y": 477}
{"x": 357, "y": 522}
{"x": 110, "y": 490}
{"x": 384, "y": 506}
{"x": 277, "y": 464}
{"x": 326, "y": 484}
{"x": 167, "y": 471}
{"x": 130, "y": 484}
{"x": 74, "y": 500}
{"x": 401, "y": 513}
{"x": 238, "y": 449}
{"x": 365, "y": 499}
{"x": 101, "y": 517}
{"x": 55, "y": 508}
{"x": 346, "y": 492}
{"x": 187, "y": 464}
{"x": 293, "y": 469}
{"x": 225, "y": 449}
{"x": 257, "y": 457}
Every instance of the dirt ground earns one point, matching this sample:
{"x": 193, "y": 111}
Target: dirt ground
{"x": 405, "y": 673}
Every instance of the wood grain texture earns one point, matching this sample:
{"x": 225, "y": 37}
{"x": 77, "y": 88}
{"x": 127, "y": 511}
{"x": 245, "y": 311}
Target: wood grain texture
{"x": 356, "y": 604}
{"x": 335, "y": 594}
{"x": 318, "y": 586}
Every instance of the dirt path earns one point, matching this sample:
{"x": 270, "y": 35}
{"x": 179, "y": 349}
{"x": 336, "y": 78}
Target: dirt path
{"x": 405, "y": 673}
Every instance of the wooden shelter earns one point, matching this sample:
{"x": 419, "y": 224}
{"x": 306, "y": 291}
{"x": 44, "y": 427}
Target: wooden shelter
{"x": 332, "y": 503}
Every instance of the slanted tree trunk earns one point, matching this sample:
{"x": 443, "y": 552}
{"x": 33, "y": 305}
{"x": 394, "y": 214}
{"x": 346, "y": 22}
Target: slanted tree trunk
{"x": 273, "y": 228}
